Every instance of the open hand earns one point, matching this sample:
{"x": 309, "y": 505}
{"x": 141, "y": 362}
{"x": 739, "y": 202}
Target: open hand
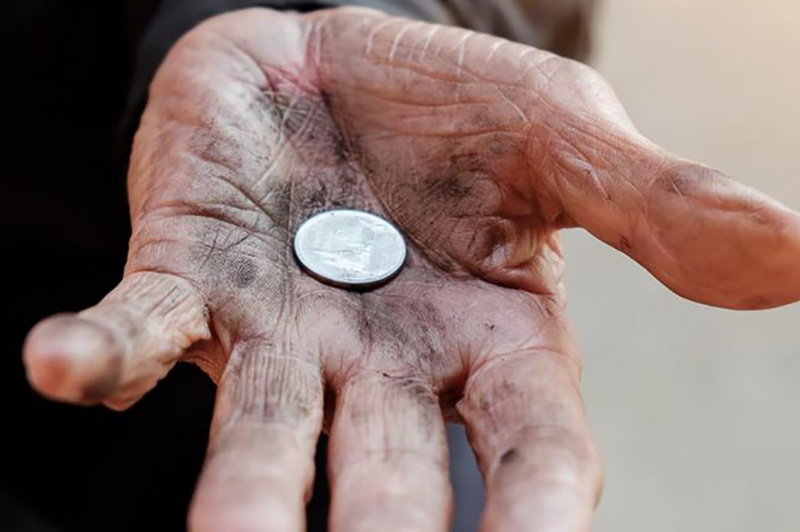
{"x": 480, "y": 151}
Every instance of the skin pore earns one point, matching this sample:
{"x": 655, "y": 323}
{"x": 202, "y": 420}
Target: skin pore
{"x": 480, "y": 150}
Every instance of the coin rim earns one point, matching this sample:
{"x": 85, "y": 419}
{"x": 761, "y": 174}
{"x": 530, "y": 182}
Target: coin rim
{"x": 369, "y": 283}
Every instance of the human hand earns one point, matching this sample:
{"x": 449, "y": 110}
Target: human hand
{"x": 480, "y": 150}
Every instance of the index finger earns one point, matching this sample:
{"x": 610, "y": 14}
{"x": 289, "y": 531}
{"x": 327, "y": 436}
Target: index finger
{"x": 526, "y": 423}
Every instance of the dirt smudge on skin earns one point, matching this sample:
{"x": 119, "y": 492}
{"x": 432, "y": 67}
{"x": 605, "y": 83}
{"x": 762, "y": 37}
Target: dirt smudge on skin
{"x": 510, "y": 457}
{"x": 243, "y": 272}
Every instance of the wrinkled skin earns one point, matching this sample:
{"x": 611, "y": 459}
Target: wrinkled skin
{"x": 480, "y": 150}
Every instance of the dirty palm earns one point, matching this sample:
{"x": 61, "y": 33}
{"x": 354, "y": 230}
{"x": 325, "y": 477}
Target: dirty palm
{"x": 480, "y": 150}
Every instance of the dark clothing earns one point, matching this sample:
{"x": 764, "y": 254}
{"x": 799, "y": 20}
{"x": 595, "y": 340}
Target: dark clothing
{"x": 73, "y": 71}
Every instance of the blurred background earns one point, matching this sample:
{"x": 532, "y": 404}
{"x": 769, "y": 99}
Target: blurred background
{"x": 695, "y": 410}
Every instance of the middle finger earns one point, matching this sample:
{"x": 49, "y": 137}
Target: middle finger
{"x": 388, "y": 456}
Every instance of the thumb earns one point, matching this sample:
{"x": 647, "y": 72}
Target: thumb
{"x": 705, "y": 236}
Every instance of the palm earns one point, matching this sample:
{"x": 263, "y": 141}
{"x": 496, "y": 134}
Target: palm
{"x": 381, "y": 143}
{"x": 479, "y": 150}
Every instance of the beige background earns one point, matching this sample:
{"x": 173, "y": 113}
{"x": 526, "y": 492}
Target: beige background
{"x": 696, "y": 410}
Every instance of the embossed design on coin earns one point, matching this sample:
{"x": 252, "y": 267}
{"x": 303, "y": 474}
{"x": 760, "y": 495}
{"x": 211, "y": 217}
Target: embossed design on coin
{"x": 350, "y": 249}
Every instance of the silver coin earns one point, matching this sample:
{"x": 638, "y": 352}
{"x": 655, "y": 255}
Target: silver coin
{"x": 350, "y": 249}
